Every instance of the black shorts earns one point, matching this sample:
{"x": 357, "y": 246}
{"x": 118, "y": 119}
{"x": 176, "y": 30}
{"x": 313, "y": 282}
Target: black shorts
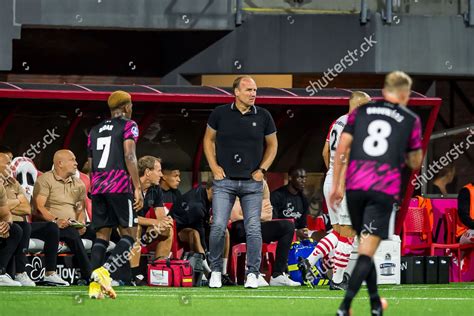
{"x": 113, "y": 210}
{"x": 371, "y": 213}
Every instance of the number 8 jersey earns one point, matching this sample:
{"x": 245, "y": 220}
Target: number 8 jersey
{"x": 383, "y": 133}
{"x": 105, "y": 146}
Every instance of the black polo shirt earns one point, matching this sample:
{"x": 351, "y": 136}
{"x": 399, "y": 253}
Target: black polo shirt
{"x": 240, "y": 138}
{"x": 179, "y": 209}
{"x": 199, "y": 207}
{"x": 153, "y": 198}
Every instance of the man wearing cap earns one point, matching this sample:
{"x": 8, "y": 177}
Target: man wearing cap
{"x": 240, "y": 144}
{"x": 115, "y": 189}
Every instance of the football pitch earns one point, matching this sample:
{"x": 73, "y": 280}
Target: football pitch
{"x": 407, "y": 300}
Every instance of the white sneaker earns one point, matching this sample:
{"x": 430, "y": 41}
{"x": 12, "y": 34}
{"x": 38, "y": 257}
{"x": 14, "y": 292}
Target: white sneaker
{"x": 261, "y": 280}
{"x": 216, "y": 280}
{"x": 115, "y": 283}
{"x": 54, "y": 279}
{"x": 24, "y": 279}
{"x": 6, "y": 280}
{"x": 252, "y": 281}
{"x": 283, "y": 280}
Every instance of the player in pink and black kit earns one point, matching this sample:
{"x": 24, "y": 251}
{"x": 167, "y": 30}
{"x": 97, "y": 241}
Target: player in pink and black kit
{"x": 380, "y": 139}
{"x": 336, "y": 247}
{"x": 115, "y": 189}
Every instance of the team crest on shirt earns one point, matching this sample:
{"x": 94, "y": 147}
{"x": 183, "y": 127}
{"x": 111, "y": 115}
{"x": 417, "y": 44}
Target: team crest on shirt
{"x": 290, "y": 211}
{"x": 135, "y": 131}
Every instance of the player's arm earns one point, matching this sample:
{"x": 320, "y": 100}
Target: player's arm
{"x": 143, "y": 221}
{"x": 81, "y": 213}
{"x": 341, "y": 159}
{"x": 414, "y": 156}
{"x": 130, "y": 156}
{"x": 81, "y": 206}
{"x": 325, "y": 154}
{"x": 342, "y": 183}
{"x": 160, "y": 212}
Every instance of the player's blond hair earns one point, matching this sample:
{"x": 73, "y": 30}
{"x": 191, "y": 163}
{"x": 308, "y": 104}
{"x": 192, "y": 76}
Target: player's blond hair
{"x": 397, "y": 80}
{"x": 118, "y": 99}
{"x": 357, "y": 99}
{"x": 146, "y": 162}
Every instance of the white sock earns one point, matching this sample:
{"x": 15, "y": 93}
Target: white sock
{"x": 323, "y": 248}
{"x": 224, "y": 266}
{"x": 328, "y": 261}
{"x": 206, "y": 266}
{"x": 341, "y": 260}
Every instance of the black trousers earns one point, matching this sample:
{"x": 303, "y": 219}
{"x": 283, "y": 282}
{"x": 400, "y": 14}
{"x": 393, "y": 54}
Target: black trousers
{"x": 73, "y": 240}
{"x": 281, "y": 231}
{"x": 45, "y": 231}
{"x": 8, "y": 246}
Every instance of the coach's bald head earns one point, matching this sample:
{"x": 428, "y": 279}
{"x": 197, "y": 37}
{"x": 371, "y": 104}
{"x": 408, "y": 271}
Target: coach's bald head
{"x": 65, "y": 163}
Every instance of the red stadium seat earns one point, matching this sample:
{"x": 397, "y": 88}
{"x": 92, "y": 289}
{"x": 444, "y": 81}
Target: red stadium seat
{"x": 451, "y": 218}
{"x": 241, "y": 249}
{"x": 417, "y": 225}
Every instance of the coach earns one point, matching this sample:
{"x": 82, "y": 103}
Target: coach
{"x": 234, "y": 145}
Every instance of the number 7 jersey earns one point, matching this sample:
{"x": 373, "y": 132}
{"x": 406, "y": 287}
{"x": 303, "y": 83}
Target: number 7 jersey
{"x": 105, "y": 146}
{"x": 383, "y": 133}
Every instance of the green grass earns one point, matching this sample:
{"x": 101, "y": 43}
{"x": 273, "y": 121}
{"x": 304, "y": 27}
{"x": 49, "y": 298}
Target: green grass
{"x": 406, "y": 300}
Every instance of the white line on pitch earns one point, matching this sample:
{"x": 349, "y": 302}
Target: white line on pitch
{"x": 229, "y": 295}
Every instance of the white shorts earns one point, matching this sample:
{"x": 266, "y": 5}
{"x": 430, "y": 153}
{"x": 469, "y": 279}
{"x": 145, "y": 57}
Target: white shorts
{"x": 340, "y": 217}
